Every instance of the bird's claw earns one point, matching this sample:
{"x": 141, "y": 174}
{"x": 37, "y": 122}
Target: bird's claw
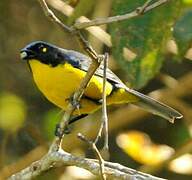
{"x": 59, "y": 133}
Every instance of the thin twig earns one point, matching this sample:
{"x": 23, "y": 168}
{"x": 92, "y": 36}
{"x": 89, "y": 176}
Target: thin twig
{"x": 142, "y": 9}
{"x": 78, "y": 94}
{"x": 49, "y": 13}
{"x": 104, "y": 105}
{"x": 87, "y": 47}
{"x": 68, "y": 10}
{"x": 70, "y": 109}
{"x": 104, "y": 120}
{"x": 104, "y": 111}
{"x": 137, "y": 12}
{"x": 94, "y": 148}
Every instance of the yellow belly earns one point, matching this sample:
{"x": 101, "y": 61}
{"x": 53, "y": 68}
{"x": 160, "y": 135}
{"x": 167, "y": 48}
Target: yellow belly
{"x": 59, "y": 83}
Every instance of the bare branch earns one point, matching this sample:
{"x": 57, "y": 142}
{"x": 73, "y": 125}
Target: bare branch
{"x": 104, "y": 106}
{"x": 61, "y": 158}
{"x": 117, "y": 121}
{"x": 94, "y": 148}
{"x": 104, "y": 120}
{"x": 137, "y": 12}
{"x": 142, "y": 9}
{"x": 52, "y": 16}
{"x": 56, "y": 156}
{"x": 79, "y": 92}
{"x": 67, "y": 10}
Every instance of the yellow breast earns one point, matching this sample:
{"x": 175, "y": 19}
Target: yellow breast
{"x": 60, "y": 82}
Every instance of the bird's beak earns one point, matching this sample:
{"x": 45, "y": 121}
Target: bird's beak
{"x": 26, "y": 54}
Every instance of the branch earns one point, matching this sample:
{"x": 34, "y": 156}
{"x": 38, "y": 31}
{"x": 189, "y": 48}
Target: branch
{"x": 104, "y": 107}
{"x": 104, "y": 119}
{"x": 120, "y": 118}
{"x": 137, "y": 12}
{"x": 56, "y": 156}
{"x": 96, "y": 60}
{"x": 62, "y": 158}
{"x": 94, "y": 148}
{"x": 52, "y": 16}
{"x": 67, "y": 10}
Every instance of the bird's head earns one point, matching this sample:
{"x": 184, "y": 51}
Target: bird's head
{"x": 43, "y": 52}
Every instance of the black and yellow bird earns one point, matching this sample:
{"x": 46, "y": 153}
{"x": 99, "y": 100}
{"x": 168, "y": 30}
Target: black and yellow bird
{"x": 58, "y": 72}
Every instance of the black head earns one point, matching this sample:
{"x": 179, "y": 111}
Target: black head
{"x": 43, "y": 52}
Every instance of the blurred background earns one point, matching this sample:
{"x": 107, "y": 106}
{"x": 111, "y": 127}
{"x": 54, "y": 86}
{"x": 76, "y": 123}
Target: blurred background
{"x": 151, "y": 53}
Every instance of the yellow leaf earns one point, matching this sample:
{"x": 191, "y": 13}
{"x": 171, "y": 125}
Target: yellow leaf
{"x": 139, "y": 146}
{"x": 12, "y": 112}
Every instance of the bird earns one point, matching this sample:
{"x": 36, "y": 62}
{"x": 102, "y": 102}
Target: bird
{"x": 58, "y": 72}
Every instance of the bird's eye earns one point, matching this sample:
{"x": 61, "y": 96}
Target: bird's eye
{"x": 44, "y": 49}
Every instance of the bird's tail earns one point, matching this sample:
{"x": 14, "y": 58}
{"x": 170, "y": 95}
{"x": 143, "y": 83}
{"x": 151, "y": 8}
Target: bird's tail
{"x": 155, "y": 107}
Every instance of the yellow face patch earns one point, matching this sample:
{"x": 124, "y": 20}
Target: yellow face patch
{"x": 44, "y": 49}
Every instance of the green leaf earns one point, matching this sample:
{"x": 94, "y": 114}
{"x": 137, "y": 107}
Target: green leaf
{"x": 146, "y": 36}
{"x": 183, "y": 33}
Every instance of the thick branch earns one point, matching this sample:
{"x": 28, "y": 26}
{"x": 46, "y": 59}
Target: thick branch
{"x": 118, "y": 119}
{"x": 62, "y": 158}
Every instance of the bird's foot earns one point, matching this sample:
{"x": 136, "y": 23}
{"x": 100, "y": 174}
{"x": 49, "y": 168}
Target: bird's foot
{"x": 59, "y": 132}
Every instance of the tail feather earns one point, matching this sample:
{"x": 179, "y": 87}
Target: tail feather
{"x": 155, "y": 107}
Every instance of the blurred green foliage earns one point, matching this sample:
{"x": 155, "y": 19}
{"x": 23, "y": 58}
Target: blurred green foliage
{"x": 50, "y": 120}
{"x": 146, "y": 36}
{"x": 182, "y": 32}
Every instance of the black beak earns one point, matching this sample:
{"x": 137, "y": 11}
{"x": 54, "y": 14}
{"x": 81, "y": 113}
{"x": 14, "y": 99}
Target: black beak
{"x": 26, "y": 54}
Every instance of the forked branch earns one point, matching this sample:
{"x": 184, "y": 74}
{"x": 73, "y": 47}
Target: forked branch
{"x": 56, "y": 156}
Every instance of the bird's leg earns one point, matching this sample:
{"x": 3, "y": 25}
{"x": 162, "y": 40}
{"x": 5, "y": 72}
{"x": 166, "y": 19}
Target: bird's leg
{"x": 58, "y": 131}
{"x": 67, "y": 130}
{"x": 76, "y": 118}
